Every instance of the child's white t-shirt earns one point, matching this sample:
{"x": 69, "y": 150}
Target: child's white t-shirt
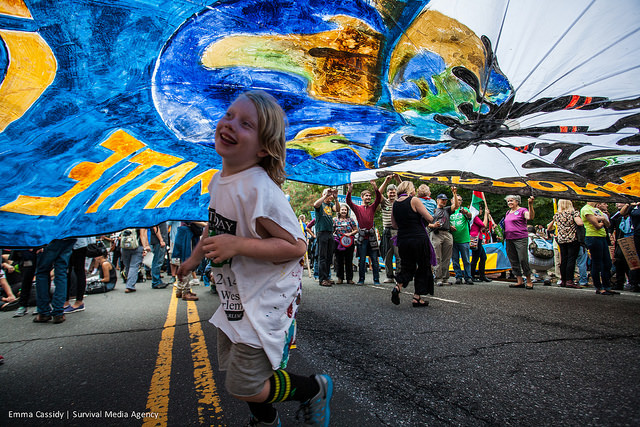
{"x": 258, "y": 299}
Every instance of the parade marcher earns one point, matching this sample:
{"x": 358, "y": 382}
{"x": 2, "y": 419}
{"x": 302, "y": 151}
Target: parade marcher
{"x": 132, "y": 256}
{"x": 596, "y": 224}
{"x": 158, "y": 241}
{"x": 460, "y": 222}
{"x": 478, "y": 254}
{"x": 409, "y": 218}
{"x": 441, "y": 237}
{"x": 367, "y": 238}
{"x": 389, "y": 248}
{"x": 633, "y": 210}
{"x": 54, "y": 256}
{"x": 344, "y": 231}
{"x": 516, "y": 238}
{"x": 566, "y": 221}
{"x": 76, "y": 265}
{"x": 256, "y": 246}
{"x": 324, "y": 208}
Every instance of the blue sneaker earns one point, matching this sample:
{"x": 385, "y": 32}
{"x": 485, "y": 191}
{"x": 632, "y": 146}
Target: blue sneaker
{"x": 316, "y": 410}
{"x": 72, "y": 309}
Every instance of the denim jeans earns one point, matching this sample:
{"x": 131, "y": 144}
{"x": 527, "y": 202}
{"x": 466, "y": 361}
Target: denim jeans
{"x": 581, "y": 262}
{"x": 365, "y": 249}
{"x": 132, "y": 258}
{"x": 158, "y": 259}
{"x": 325, "y": 244}
{"x": 461, "y": 250}
{"x": 56, "y": 255}
{"x": 600, "y": 261}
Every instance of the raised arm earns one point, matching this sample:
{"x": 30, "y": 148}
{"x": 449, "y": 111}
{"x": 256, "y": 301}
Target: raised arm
{"x": 531, "y": 214}
{"x": 454, "y": 199}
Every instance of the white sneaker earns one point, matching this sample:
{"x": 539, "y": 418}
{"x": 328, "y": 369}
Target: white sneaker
{"x": 194, "y": 282}
{"x": 21, "y": 311}
{"x": 389, "y": 280}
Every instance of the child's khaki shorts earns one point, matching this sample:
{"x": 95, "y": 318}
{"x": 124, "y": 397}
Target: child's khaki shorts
{"x": 247, "y": 367}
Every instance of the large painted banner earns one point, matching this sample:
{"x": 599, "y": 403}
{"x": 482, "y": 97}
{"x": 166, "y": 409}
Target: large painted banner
{"x": 108, "y": 109}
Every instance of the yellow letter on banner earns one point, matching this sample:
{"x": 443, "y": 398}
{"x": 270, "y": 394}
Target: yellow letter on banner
{"x": 630, "y": 185}
{"x": 547, "y": 185}
{"x": 86, "y": 173}
{"x": 588, "y": 190}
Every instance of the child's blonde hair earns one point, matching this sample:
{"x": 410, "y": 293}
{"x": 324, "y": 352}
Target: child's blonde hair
{"x": 271, "y": 133}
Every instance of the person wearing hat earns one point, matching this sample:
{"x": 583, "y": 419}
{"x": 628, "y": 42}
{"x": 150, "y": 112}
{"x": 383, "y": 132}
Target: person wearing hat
{"x": 441, "y": 237}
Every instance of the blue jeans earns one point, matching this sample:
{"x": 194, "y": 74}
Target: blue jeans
{"x": 365, "y": 249}
{"x": 581, "y": 262}
{"x": 461, "y": 250}
{"x": 132, "y": 258}
{"x": 56, "y": 255}
{"x": 158, "y": 259}
{"x": 600, "y": 261}
{"x": 324, "y": 240}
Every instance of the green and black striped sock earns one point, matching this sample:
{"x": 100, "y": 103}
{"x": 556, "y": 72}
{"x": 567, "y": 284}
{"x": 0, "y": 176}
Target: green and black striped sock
{"x": 286, "y": 386}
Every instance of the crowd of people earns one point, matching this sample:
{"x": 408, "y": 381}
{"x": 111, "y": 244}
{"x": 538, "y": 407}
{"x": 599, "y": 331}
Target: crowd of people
{"x": 55, "y": 277}
{"x": 582, "y": 239}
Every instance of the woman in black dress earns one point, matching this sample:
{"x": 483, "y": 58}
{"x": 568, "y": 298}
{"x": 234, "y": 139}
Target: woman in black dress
{"x": 410, "y": 217}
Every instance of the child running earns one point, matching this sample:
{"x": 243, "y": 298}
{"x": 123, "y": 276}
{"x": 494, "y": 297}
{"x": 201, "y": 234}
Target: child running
{"x": 255, "y": 248}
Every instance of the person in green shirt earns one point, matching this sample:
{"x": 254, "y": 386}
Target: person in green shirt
{"x": 325, "y": 208}
{"x": 460, "y": 220}
{"x": 595, "y": 224}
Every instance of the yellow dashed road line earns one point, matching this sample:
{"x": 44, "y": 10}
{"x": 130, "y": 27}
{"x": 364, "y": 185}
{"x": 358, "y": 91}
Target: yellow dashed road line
{"x": 158, "y": 399}
{"x": 209, "y": 408}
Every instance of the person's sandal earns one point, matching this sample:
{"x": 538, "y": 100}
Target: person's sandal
{"x": 395, "y": 295}
{"x": 529, "y": 285}
{"x": 419, "y": 302}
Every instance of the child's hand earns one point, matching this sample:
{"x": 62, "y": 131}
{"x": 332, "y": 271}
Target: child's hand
{"x": 221, "y": 247}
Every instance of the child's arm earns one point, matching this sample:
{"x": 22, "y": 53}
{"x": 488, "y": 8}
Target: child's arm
{"x": 191, "y": 263}
{"x": 276, "y": 244}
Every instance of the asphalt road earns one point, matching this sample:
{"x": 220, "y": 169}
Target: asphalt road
{"x": 478, "y": 355}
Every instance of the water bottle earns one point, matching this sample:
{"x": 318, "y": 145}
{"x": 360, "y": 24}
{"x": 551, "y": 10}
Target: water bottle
{"x": 212, "y": 232}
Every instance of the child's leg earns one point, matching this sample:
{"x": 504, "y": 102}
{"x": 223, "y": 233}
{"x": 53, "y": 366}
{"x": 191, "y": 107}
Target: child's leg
{"x": 250, "y": 378}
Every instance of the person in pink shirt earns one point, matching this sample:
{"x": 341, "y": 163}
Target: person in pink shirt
{"x": 478, "y": 254}
{"x": 367, "y": 240}
{"x": 516, "y": 239}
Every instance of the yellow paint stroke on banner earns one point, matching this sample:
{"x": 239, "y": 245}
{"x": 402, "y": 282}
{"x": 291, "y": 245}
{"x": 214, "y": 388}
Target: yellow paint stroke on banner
{"x": 158, "y": 398}
{"x": 15, "y": 8}
{"x": 31, "y": 69}
{"x": 209, "y": 408}
{"x": 146, "y": 159}
{"x": 202, "y": 178}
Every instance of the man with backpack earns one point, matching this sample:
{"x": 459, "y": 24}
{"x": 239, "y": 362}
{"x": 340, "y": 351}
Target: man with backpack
{"x": 134, "y": 246}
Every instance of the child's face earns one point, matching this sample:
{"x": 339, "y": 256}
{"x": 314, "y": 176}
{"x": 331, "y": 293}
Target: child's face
{"x": 237, "y": 140}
